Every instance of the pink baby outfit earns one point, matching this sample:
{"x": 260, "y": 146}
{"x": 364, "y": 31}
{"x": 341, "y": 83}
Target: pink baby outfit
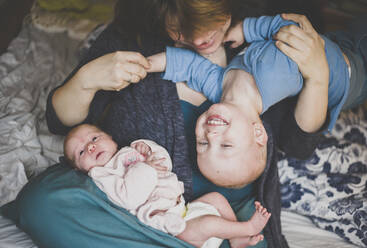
{"x": 155, "y": 197}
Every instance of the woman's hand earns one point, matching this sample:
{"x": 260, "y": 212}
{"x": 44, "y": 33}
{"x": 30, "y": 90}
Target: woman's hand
{"x": 113, "y": 71}
{"x": 235, "y": 35}
{"x": 304, "y": 46}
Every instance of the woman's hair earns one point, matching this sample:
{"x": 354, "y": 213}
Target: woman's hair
{"x": 192, "y": 17}
{"x": 144, "y": 20}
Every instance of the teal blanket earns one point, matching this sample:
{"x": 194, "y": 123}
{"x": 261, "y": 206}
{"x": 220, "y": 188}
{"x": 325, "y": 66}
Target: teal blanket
{"x": 78, "y": 214}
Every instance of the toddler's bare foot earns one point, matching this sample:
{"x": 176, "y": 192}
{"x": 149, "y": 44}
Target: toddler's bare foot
{"x": 258, "y": 219}
{"x": 246, "y": 241}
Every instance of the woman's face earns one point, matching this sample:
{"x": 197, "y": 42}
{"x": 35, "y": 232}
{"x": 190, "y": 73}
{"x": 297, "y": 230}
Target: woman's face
{"x": 206, "y": 43}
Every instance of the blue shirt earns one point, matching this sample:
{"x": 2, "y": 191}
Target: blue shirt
{"x": 276, "y": 75}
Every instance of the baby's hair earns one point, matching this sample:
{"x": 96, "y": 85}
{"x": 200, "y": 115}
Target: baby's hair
{"x": 186, "y": 17}
{"x": 67, "y": 137}
{"x": 71, "y": 163}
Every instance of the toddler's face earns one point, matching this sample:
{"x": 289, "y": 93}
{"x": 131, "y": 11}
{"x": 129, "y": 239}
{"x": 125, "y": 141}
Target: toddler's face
{"x": 223, "y": 129}
{"x": 224, "y": 144}
{"x": 89, "y": 147}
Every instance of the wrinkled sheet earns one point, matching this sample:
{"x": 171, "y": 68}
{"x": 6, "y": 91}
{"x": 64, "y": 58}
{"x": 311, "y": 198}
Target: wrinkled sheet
{"x": 34, "y": 63}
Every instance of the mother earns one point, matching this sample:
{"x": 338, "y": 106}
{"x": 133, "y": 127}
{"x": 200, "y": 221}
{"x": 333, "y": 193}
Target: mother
{"x": 63, "y": 208}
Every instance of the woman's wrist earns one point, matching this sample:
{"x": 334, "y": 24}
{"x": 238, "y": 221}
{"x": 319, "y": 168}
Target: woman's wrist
{"x": 81, "y": 82}
{"x": 311, "y": 108}
{"x": 71, "y": 101}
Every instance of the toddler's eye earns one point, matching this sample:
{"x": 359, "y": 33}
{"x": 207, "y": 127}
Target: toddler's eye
{"x": 94, "y": 139}
{"x": 81, "y": 152}
{"x": 226, "y": 145}
{"x": 202, "y": 143}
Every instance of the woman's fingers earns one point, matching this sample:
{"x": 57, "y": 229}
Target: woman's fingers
{"x": 116, "y": 70}
{"x": 302, "y": 20}
{"x": 133, "y": 69}
{"x": 293, "y": 30}
{"x": 291, "y": 52}
{"x": 293, "y": 38}
{"x": 133, "y": 57}
{"x": 130, "y": 66}
{"x": 126, "y": 73}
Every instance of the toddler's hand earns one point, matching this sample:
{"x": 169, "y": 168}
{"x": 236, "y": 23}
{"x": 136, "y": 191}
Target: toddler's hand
{"x": 157, "y": 62}
{"x": 142, "y": 148}
{"x": 235, "y": 34}
{"x": 155, "y": 162}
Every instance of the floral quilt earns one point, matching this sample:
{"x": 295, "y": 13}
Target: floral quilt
{"x": 331, "y": 187}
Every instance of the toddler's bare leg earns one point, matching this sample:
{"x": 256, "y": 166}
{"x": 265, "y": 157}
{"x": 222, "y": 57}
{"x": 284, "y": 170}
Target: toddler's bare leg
{"x": 258, "y": 222}
{"x": 200, "y": 229}
{"x": 220, "y": 203}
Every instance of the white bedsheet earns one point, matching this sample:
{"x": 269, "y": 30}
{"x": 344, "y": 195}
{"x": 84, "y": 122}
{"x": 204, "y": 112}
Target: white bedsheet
{"x": 13, "y": 237}
{"x": 300, "y": 232}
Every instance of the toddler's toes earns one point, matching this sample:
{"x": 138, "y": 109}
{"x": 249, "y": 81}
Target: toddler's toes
{"x": 255, "y": 239}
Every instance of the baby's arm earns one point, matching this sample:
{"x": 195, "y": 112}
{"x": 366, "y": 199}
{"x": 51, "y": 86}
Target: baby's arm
{"x": 185, "y": 65}
{"x": 155, "y": 155}
{"x": 122, "y": 183}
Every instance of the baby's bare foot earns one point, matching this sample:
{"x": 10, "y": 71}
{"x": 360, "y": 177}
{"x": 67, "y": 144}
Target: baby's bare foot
{"x": 259, "y": 219}
{"x": 246, "y": 241}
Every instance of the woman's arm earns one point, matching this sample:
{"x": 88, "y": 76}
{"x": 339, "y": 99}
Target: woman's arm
{"x": 305, "y": 46}
{"x": 110, "y": 72}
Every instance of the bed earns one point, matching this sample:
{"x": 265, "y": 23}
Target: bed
{"x": 38, "y": 59}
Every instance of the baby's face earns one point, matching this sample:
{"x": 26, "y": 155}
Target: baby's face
{"x": 89, "y": 147}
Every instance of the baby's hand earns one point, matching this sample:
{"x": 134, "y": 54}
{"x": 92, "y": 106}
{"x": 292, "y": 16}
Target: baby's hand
{"x": 155, "y": 162}
{"x": 157, "y": 62}
{"x": 142, "y": 148}
{"x": 235, "y": 35}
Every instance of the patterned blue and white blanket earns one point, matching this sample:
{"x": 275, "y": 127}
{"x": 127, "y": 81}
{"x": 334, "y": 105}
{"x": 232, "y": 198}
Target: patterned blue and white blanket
{"x": 331, "y": 187}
